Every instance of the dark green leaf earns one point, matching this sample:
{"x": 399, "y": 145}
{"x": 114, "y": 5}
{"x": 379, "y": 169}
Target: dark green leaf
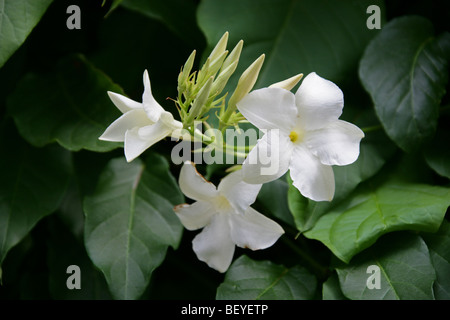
{"x": 17, "y": 19}
{"x": 65, "y": 250}
{"x": 331, "y": 289}
{"x": 130, "y": 222}
{"x": 324, "y": 36}
{"x": 69, "y": 105}
{"x": 437, "y": 153}
{"x": 405, "y": 70}
{"x": 406, "y": 271}
{"x": 177, "y": 15}
{"x": 33, "y": 182}
{"x": 375, "y": 209}
{"x": 439, "y": 246}
{"x": 261, "y": 280}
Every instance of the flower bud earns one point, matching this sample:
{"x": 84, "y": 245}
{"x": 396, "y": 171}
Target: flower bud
{"x": 234, "y": 56}
{"x": 223, "y": 77}
{"x": 200, "y": 100}
{"x": 185, "y": 71}
{"x": 246, "y": 81}
{"x": 287, "y": 84}
{"x": 219, "y": 48}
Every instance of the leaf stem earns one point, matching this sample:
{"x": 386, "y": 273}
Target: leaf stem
{"x": 320, "y": 270}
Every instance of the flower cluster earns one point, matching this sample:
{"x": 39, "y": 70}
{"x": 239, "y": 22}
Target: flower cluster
{"x": 302, "y": 135}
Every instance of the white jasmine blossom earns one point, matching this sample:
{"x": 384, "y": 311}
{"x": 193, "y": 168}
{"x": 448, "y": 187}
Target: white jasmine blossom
{"x": 302, "y": 134}
{"x": 142, "y": 124}
{"x": 225, "y": 215}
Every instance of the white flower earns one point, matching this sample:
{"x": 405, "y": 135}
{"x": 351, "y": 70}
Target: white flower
{"x": 226, "y": 216}
{"x": 142, "y": 124}
{"x": 303, "y": 135}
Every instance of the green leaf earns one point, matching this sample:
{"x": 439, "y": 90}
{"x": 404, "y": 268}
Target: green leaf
{"x": 324, "y": 36}
{"x": 377, "y": 208}
{"x": 439, "y": 246}
{"x": 69, "y": 105}
{"x": 375, "y": 149}
{"x": 405, "y": 70}
{"x": 177, "y": 15}
{"x": 437, "y": 153}
{"x": 263, "y": 280}
{"x": 92, "y": 282}
{"x": 33, "y": 183}
{"x": 406, "y": 271}
{"x": 130, "y": 222}
{"x": 331, "y": 289}
{"x": 17, "y": 19}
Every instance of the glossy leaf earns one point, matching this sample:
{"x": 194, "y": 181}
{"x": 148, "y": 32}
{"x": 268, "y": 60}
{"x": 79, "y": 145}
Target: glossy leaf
{"x": 33, "y": 182}
{"x": 437, "y": 153}
{"x": 405, "y": 271}
{"x": 17, "y": 20}
{"x": 177, "y": 15}
{"x": 331, "y": 289}
{"x": 326, "y": 37}
{"x": 375, "y": 209}
{"x": 91, "y": 281}
{"x": 405, "y": 70}
{"x": 439, "y": 246}
{"x": 69, "y": 105}
{"x": 130, "y": 223}
{"x": 262, "y": 280}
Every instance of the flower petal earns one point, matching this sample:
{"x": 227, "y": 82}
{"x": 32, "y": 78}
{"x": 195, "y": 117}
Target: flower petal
{"x": 137, "y": 140}
{"x": 129, "y": 120}
{"x": 123, "y": 103}
{"x": 253, "y": 230}
{"x": 270, "y": 108}
{"x": 193, "y": 185}
{"x": 319, "y": 101}
{"x": 169, "y": 121}
{"x": 151, "y": 106}
{"x": 313, "y": 179}
{"x": 239, "y": 193}
{"x": 269, "y": 159}
{"x": 195, "y": 216}
{"x": 336, "y": 144}
{"x": 214, "y": 245}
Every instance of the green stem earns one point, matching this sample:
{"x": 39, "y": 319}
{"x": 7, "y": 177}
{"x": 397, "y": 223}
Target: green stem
{"x": 320, "y": 270}
{"x": 372, "y": 128}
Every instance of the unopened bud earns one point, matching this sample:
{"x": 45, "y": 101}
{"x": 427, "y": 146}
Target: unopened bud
{"x": 201, "y": 99}
{"x": 234, "y": 56}
{"x": 246, "y": 81}
{"x": 223, "y": 77}
{"x": 220, "y": 47}
{"x": 216, "y": 64}
{"x": 184, "y": 74}
{"x": 287, "y": 84}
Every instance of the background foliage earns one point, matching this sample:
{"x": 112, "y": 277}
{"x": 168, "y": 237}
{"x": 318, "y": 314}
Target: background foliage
{"x": 67, "y": 198}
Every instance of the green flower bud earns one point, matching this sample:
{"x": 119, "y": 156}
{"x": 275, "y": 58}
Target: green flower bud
{"x": 183, "y": 77}
{"x": 246, "y": 81}
{"x": 287, "y": 84}
{"x": 222, "y": 79}
{"x": 219, "y": 48}
{"x": 234, "y": 56}
{"x": 200, "y": 101}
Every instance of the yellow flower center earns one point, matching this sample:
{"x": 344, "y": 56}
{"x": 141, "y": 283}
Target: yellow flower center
{"x": 222, "y": 203}
{"x": 296, "y": 136}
